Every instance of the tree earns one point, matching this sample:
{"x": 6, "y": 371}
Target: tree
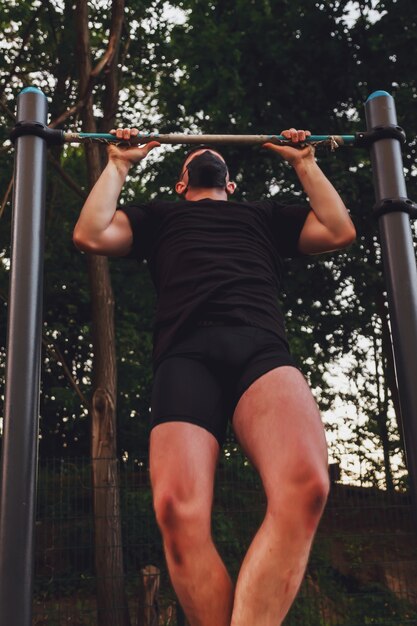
{"x": 253, "y": 67}
{"x": 241, "y": 67}
{"x": 78, "y": 88}
{"x": 111, "y": 598}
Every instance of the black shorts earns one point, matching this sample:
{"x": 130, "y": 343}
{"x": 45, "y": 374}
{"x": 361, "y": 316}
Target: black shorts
{"x": 202, "y": 377}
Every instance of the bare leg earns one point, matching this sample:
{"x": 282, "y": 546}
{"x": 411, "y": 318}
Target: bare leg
{"x": 183, "y": 459}
{"x": 278, "y": 425}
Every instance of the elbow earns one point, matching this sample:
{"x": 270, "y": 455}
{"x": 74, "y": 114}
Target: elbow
{"x": 345, "y": 234}
{"x": 78, "y": 239}
{"x": 348, "y": 237}
{"x": 81, "y": 241}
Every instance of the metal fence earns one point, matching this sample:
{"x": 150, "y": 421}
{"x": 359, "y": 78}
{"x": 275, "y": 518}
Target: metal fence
{"x": 362, "y": 570}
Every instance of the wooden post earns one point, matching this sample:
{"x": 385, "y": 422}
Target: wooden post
{"x": 148, "y": 609}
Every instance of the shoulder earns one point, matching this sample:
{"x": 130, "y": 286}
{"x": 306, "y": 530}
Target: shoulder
{"x": 150, "y": 205}
{"x": 287, "y": 210}
{"x": 151, "y": 208}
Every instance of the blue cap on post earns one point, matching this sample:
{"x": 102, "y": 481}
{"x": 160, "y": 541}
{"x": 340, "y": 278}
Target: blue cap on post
{"x": 32, "y": 90}
{"x": 378, "y": 94}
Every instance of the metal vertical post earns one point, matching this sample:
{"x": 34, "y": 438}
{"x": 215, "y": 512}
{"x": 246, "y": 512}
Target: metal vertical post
{"x": 20, "y": 438}
{"x": 399, "y": 267}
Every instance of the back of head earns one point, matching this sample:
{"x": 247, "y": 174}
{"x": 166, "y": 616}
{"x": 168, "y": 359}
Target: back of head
{"x": 198, "y": 149}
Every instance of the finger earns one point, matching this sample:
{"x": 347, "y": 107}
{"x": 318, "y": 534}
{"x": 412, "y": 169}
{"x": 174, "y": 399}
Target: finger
{"x": 303, "y": 134}
{"x": 123, "y": 133}
{"x": 290, "y": 133}
{"x": 151, "y": 145}
{"x": 296, "y": 136}
{"x": 284, "y": 150}
{"x": 309, "y": 149}
{"x": 271, "y": 146}
{"x": 281, "y": 148}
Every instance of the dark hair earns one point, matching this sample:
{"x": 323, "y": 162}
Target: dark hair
{"x": 197, "y": 149}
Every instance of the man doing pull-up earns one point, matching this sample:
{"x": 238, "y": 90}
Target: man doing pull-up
{"x": 220, "y": 354}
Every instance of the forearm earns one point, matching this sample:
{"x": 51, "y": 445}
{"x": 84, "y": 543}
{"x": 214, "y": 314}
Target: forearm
{"x": 325, "y": 201}
{"x": 100, "y": 206}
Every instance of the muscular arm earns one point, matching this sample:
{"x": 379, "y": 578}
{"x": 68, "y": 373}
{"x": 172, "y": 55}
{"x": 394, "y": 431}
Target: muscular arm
{"x": 100, "y": 228}
{"x": 328, "y": 226}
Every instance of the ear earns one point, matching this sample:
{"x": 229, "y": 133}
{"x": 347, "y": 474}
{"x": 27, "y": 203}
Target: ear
{"x": 180, "y": 188}
{"x": 230, "y": 188}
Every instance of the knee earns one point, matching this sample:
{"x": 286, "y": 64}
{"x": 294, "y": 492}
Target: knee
{"x": 184, "y": 526}
{"x": 315, "y": 496}
{"x": 313, "y": 492}
{"x": 176, "y": 515}
{"x": 303, "y": 495}
{"x": 169, "y": 511}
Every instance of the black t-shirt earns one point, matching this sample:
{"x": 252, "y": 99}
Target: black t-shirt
{"x": 215, "y": 260}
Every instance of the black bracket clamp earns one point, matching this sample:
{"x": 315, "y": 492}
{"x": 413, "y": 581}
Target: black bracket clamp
{"x": 367, "y": 138}
{"x": 52, "y": 136}
{"x": 395, "y": 205}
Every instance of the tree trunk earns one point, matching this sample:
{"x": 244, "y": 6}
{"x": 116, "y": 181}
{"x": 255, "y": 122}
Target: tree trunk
{"x": 112, "y": 608}
{"x": 390, "y": 377}
{"x": 381, "y": 417}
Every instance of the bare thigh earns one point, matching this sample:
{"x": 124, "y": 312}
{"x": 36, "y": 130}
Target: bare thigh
{"x": 183, "y": 459}
{"x": 278, "y": 424}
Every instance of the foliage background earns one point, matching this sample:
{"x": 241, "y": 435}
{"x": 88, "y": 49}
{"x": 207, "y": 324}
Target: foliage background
{"x": 216, "y": 66}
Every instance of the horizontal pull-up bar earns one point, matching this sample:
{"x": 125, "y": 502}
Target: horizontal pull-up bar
{"x": 183, "y": 138}
{"x": 59, "y": 137}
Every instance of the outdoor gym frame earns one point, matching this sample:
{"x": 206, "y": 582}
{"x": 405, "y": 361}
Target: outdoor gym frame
{"x": 21, "y": 414}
